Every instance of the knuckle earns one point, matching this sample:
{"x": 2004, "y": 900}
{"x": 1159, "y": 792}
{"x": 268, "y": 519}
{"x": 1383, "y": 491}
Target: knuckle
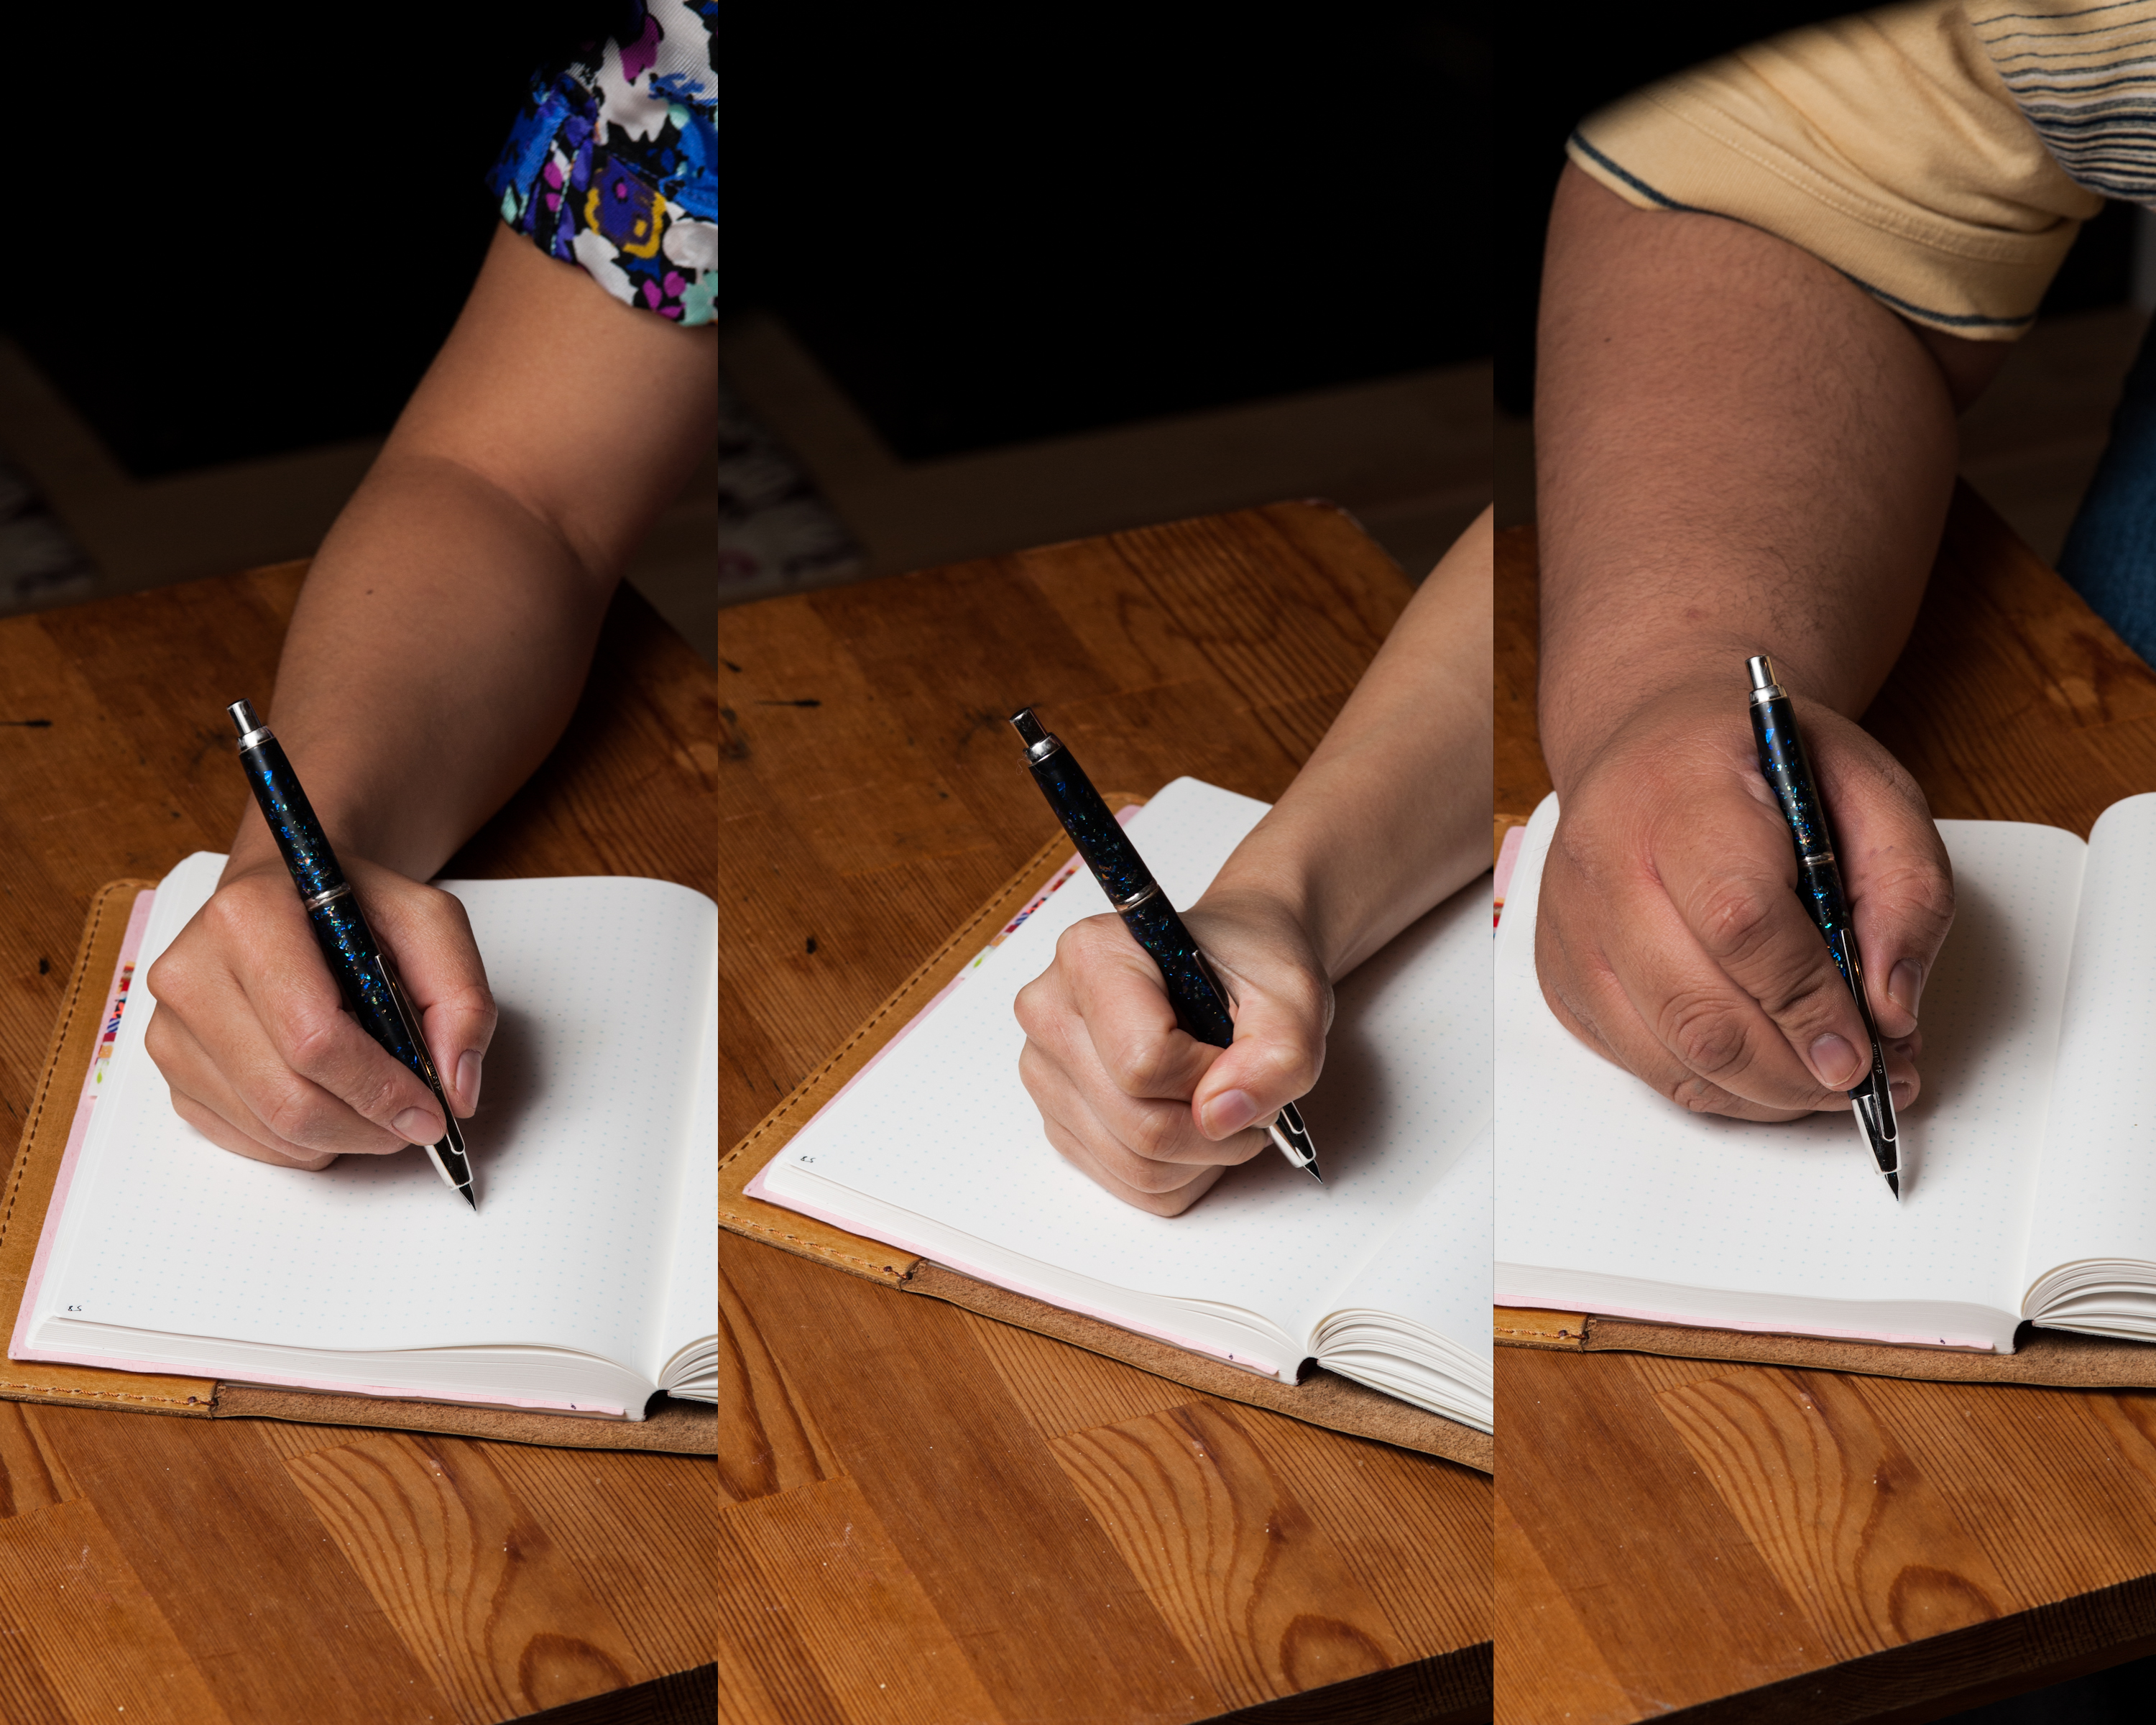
{"x": 307, "y": 1036}
{"x": 293, "y": 1111}
{"x": 1151, "y": 1135}
{"x": 1707, "y": 1034}
{"x": 1916, "y": 895}
{"x": 1031, "y": 1008}
{"x": 1736, "y": 919}
{"x": 1691, "y": 1091}
{"x": 1137, "y": 1065}
{"x": 1156, "y": 1177}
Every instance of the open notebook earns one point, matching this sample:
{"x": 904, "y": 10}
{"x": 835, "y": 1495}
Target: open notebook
{"x": 2028, "y": 1163}
{"x": 1381, "y": 1276}
{"x": 586, "y": 1280}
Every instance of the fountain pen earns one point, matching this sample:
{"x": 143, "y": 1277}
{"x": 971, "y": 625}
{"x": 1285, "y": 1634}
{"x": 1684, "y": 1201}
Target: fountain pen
{"x": 1192, "y": 988}
{"x": 1782, "y": 761}
{"x": 364, "y": 974}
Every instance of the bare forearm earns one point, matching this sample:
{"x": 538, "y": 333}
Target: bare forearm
{"x": 1392, "y": 811}
{"x": 446, "y": 625}
{"x": 1738, "y": 451}
{"x": 435, "y": 655}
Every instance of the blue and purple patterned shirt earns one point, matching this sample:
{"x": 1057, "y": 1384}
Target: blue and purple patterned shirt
{"x": 611, "y": 164}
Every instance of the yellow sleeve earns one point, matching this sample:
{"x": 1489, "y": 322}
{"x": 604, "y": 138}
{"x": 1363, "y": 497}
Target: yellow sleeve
{"x": 1885, "y": 144}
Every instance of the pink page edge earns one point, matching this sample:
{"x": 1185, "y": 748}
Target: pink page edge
{"x": 130, "y": 943}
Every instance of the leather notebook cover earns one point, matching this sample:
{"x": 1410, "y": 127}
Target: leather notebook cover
{"x": 1322, "y": 1398}
{"x": 680, "y": 1427}
{"x": 2057, "y": 1359}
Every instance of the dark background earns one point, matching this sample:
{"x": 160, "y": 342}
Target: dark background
{"x": 1016, "y": 228}
{"x": 1599, "y": 55}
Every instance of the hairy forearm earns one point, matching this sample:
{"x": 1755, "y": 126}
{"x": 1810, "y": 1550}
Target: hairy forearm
{"x": 1392, "y": 811}
{"x": 435, "y": 655}
{"x": 1737, "y": 451}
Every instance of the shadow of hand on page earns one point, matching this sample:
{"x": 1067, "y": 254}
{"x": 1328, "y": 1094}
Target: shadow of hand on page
{"x": 510, "y": 1092}
{"x": 1978, "y": 998}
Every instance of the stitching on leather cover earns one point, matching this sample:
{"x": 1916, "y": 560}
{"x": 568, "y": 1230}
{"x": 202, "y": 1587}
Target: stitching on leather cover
{"x": 110, "y": 1395}
{"x": 824, "y": 1251}
{"x": 52, "y": 1067}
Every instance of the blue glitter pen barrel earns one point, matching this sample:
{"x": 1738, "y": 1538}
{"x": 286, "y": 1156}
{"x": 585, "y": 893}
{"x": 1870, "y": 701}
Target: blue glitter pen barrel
{"x": 364, "y": 974}
{"x": 1192, "y": 988}
{"x": 1788, "y": 769}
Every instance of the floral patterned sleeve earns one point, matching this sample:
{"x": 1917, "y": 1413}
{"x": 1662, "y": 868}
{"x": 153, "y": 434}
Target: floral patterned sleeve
{"x": 610, "y": 165}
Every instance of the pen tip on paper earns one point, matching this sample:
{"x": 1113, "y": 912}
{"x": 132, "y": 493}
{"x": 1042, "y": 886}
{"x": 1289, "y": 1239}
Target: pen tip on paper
{"x": 469, "y": 1198}
{"x": 1894, "y": 1185}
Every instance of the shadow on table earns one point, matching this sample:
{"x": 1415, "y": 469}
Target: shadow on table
{"x": 2124, "y": 1695}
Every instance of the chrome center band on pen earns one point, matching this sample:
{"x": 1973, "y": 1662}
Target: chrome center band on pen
{"x": 331, "y": 897}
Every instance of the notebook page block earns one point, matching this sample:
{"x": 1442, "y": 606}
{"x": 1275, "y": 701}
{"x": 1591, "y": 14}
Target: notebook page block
{"x": 584, "y": 1120}
{"x": 945, "y": 1129}
{"x": 1601, "y": 1176}
{"x": 2097, "y": 1199}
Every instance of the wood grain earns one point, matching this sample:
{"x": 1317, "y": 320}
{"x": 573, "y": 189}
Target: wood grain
{"x": 1755, "y": 1543}
{"x": 867, "y": 823}
{"x": 99, "y": 1647}
{"x": 818, "y": 1558}
{"x": 1855, "y": 1532}
{"x": 1247, "y": 1581}
{"x": 127, "y": 770}
{"x": 467, "y": 1575}
{"x": 871, "y": 822}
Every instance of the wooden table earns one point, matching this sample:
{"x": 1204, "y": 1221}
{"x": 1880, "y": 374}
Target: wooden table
{"x": 932, "y": 1516}
{"x": 194, "y": 1570}
{"x": 1721, "y": 1541}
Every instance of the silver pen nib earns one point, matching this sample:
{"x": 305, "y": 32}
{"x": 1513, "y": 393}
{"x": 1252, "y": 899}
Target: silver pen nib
{"x": 1874, "y": 1108}
{"x": 1288, "y": 1132}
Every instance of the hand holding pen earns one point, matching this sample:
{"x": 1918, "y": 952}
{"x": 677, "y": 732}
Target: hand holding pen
{"x": 251, "y": 1033}
{"x": 1667, "y": 937}
{"x": 1125, "y": 1029}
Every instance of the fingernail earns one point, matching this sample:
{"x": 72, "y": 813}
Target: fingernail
{"x": 1832, "y": 1057}
{"x": 468, "y": 1078}
{"x": 1906, "y": 985}
{"x": 1229, "y": 1111}
{"x": 417, "y": 1126}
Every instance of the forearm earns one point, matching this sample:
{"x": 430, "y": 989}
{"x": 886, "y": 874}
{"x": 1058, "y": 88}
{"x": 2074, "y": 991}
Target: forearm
{"x": 435, "y": 656}
{"x": 446, "y": 626}
{"x": 1738, "y": 451}
{"x": 1392, "y": 811}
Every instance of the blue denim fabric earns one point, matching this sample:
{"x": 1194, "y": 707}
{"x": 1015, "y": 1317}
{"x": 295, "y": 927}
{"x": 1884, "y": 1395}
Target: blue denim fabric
{"x": 2110, "y": 554}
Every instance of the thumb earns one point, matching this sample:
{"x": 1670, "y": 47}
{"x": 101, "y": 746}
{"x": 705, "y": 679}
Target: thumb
{"x": 1277, "y": 1054}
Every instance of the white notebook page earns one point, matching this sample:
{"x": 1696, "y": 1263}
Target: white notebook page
{"x": 584, "y": 1121}
{"x": 1601, "y": 1176}
{"x": 2097, "y": 1197}
{"x": 1435, "y": 1270}
{"x": 945, "y": 1129}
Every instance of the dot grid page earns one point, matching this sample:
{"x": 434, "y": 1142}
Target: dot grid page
{"x": 582, "y": 1127}
{"x": 945, "y": 1128}
{"x": 1601, "y": 1176}
{"x": 2100, "y": 1199}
